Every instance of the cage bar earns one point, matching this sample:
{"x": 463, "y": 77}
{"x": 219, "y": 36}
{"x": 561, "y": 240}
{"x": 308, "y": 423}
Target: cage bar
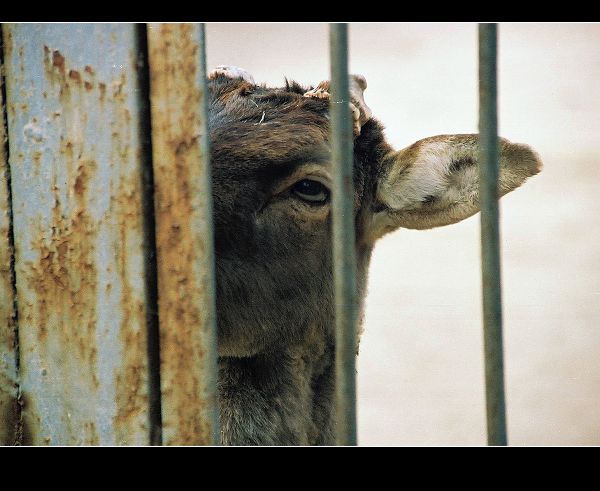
{"x": 490, "y": 235}
{"x": 76, "y": 160}
{"x": 344, "y": 254}
{"x": 184, "y": 234}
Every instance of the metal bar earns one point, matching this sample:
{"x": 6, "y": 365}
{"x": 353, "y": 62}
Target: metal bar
{"x": 184, "y": 235}
{"x": 10, "y": 409}
{"x": 344, "y": 253}
{"x": 73, "y": 105}
{"x": 490, "y": 236}
{"x": 155, "y": 410}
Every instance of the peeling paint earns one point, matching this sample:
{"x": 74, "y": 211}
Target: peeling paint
{"x": 76, "y": 157}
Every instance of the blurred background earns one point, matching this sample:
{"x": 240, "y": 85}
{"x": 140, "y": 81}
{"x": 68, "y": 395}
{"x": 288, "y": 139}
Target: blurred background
{"x": 420, "y": 369}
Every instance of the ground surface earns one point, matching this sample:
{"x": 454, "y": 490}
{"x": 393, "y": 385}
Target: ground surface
{"x": 420, "y": 370}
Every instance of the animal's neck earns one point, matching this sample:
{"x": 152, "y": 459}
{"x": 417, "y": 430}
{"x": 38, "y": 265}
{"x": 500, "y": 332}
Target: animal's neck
{"x": 282, "y": 398}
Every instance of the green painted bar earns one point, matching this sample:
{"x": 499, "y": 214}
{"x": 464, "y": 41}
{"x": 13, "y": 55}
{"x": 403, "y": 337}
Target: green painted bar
{"x": 344, "y": 254}
{"x": 490, "y": 235}
{"x": 209, "y": 300}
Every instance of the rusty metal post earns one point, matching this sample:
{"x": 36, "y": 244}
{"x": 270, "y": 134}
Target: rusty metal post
{"x": 490, "y": 236}
{"x": 9, "y": 406}
{"x": 184, "y": 238}
{"x": 76, "y": 161}
{"x": 344, "y": 253}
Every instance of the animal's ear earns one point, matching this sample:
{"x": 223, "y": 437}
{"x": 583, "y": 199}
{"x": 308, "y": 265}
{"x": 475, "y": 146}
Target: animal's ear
{"x": 361, "y": 113}
{"x": 435, "y": 181}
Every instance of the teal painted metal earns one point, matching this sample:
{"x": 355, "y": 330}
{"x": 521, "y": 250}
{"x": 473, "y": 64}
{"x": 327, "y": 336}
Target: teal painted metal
{"x": 205, "y": 228}
{"x": 490, "y": 236}
{"x": 76, "y": 157}
{"x": 344, "y": 253}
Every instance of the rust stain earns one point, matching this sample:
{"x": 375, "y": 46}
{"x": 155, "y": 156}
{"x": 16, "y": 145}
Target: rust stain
{"x": 75, "y": 75}
{"x": 82, "y": 177}
{"x": 36, "y": 158}
{"x": 22, "y": 58}
{"x": 8, "y": 41}
{"x": 174, "y": 66}
{"x": 102, "y": 87}
{"x": 64, "y": 278}
{"x": 117, "y": 87}
{"x": 89, "y": 82}
{"x": 58, "y": 60}
{"x": 131, "y": 380}
{"x": 91, "y": 434}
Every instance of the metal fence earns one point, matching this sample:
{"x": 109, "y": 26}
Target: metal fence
{"x": 103, "y": 245}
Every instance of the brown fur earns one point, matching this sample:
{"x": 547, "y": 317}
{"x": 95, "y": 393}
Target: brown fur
{"x": 275, "y": 303}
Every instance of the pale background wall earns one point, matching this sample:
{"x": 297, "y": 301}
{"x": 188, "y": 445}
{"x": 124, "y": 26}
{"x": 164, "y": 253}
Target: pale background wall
{"x": 420, "y": 370}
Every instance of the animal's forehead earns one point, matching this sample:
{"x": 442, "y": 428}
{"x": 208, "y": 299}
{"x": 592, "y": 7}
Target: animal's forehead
{"x": 257, "y": 127}
{"x": 275, "y": 139}
{"x": 269, "y": 150}
{"x": 235, "y": 100}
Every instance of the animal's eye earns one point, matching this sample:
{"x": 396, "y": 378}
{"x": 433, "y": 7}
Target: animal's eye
{"x": 310, "y": 190}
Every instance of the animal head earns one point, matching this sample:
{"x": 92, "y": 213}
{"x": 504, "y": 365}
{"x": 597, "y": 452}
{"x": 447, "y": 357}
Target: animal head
{"x": 272, "y": 209}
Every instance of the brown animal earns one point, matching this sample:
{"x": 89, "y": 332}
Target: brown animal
{"x": 272, "y": 180}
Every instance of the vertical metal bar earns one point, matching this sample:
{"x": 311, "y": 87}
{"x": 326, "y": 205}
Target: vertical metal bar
{"x": 490, "y": 235}
{"x": 73, "y": 106}
{"x": 344, "y": 253}
{"x": 10, "y": 417}
{"x": 184, "y": 235}
{"x": 153, "y": 347}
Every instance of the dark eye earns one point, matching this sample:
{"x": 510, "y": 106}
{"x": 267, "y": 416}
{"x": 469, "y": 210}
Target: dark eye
{"x": 310, "y": 190}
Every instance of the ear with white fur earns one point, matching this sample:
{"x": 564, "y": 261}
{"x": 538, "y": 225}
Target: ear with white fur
{"x": 435, "y": 181}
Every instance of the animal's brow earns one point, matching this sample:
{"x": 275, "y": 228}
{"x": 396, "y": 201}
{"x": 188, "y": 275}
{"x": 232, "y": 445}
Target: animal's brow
{"x": 280, "y": 169}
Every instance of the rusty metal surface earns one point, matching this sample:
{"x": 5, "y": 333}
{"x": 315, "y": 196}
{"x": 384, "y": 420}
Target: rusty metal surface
{"x": 75, "y": 157}
{"x": 183, "y": 234}
{"x": 9, "y": 410}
